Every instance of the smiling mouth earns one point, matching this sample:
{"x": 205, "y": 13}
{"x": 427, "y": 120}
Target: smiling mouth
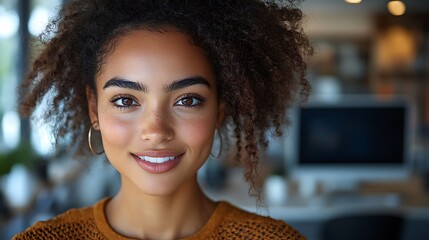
{"x": 158, "y": 162}
{"x": 156, "y": 159}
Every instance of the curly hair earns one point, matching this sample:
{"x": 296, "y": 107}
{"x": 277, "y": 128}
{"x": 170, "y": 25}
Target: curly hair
{"x": 257, "y": 48}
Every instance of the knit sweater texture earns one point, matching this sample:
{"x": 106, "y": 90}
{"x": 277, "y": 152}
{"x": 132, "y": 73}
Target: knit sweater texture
{"x": 226, "y": 222}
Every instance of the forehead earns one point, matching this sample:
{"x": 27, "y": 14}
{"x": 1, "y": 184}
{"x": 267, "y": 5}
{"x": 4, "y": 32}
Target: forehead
{"x": 161, "y": 53}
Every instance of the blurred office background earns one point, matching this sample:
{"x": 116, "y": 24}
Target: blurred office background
{"x": 356, "y": 154}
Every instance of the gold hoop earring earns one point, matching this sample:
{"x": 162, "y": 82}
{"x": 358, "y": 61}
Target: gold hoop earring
{"x": 90, "y": 142}
{"x": 215, "y": 157}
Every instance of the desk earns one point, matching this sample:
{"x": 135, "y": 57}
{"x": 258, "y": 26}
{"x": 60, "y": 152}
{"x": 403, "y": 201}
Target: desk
{"x": 309, "y": 215}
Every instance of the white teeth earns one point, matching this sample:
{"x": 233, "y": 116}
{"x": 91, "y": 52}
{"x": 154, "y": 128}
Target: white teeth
{"x": 156, "y": 159}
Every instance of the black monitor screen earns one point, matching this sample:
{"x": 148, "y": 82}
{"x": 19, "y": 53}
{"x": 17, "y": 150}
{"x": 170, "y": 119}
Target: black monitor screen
{"x": 351, "y": 135}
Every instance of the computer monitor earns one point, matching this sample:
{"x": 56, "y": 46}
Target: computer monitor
{"x": 348, "y": 141}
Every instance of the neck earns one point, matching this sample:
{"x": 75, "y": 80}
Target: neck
{"x": 174, "y": 216}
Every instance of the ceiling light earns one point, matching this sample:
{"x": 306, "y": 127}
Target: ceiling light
{"x": 353, "y": 1}
{"x": 396, "y": 7}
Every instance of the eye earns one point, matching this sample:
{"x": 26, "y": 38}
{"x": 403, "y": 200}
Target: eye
{"x": 124, "y": 102}
{"x": 190, "y": 101}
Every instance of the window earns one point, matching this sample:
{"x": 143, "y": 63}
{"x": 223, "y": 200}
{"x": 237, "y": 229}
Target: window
{"x": 9, "y": 45}
{"x": 13, "y": 58}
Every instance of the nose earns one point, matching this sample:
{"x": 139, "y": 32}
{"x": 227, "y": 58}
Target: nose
{"x": 156, "y": 127}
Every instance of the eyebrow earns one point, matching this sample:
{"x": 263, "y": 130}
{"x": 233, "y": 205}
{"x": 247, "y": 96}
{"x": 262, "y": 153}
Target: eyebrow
{"x": 122, "y": 83}
{"x": 179, "y": 84}
{"x": 183, "y": 83}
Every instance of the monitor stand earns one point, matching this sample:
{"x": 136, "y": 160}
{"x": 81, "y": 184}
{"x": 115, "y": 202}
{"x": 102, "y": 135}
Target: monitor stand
{"x": 313, "y": 186}
{"x": 338, "y": 193}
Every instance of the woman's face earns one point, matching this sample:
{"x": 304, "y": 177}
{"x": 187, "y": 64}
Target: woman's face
{"x": 157, "y": 110}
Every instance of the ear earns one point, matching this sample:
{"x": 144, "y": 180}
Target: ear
{"x": 91, "y": 98}
{"x": 220, "y": 114}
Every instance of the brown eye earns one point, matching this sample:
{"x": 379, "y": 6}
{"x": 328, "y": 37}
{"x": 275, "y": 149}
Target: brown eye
{"x": 127, "y": 102}
{"x": 124, "y": 102}
{"x": 190, "y": 101}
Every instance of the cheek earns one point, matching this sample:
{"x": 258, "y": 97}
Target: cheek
{"x": 198, "y": 132}
{"x": 116, "y": 132}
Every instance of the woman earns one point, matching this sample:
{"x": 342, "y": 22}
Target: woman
{"x": 158, "y": 79}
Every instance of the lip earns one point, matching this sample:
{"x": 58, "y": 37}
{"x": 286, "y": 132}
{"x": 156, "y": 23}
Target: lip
{"x": 157, "y": 162}
{"x": 158, "y": 153}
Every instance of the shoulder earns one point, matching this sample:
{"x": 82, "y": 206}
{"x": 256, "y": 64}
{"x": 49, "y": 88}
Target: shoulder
{"x": 238, "y": 222}
{"x": 73, "y": 224}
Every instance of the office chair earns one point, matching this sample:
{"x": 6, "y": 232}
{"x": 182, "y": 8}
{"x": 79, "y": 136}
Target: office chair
{"x": 364, "y": 227}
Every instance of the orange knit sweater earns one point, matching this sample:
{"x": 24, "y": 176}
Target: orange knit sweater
{"x": 227, "y": 222}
